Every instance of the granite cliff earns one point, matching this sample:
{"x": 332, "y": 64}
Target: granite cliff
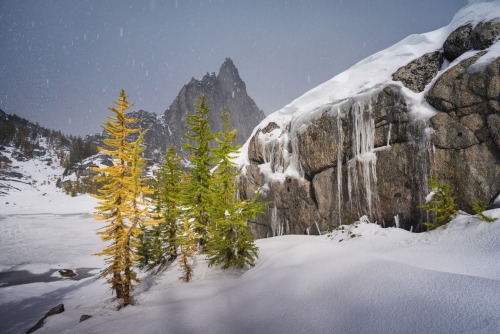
{"x": 366, "y": 142}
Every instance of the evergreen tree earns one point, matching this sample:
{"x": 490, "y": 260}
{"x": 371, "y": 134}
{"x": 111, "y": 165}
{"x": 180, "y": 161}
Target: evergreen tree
{"x": 197, "y": 195}
{"x": 186, "y": 239}
{"x": 160, "y": 239}
{"x": 138, "y": 216}
{"x": 230, "y": 242}
{"x": 119, "y": 199}
{"x": 171, "y": 192}
{"x": 442, "y": 206}
{"x": 479, "y": 207}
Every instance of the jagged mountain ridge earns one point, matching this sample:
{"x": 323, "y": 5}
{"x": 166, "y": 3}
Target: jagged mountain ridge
{"x": 224, "y": 90}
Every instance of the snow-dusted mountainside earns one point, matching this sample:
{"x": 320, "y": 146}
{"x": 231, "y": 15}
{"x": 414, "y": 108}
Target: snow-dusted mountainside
{"x": 366, "y": 141}
{"x": 32, "y": 157}
{"x": 29, "y": 185}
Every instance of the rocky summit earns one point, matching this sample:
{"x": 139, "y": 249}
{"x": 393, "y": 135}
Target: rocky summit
{"x": 366, "y": 142}
{"x": 224, "y": 90}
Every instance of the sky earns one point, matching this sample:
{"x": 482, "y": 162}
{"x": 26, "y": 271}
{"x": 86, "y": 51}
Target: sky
{"x": 63, "y": 63}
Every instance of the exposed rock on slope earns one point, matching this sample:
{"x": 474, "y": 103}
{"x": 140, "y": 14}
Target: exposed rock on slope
{"x": 354, "y": 147}
{"x": 417, "y": 74}
{"x": 224, "y": 90}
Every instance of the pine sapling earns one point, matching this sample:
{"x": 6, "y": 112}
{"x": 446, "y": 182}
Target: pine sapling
{"x": 186, "y": 240}
{"x": 479, "y": 207}
{"x": 441, "y": 206}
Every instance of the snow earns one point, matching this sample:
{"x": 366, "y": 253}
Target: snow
{"x": 362, "y": 279}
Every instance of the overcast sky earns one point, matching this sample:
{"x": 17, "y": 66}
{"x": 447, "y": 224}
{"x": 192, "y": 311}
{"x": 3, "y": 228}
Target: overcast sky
{"x": 62, "y": 63}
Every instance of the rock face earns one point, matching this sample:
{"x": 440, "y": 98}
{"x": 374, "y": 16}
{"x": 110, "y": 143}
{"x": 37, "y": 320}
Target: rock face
{"x": 367, "y": 155}
{"x": 458, "y": 42}
{"x": 224, "y": 90}
{"x": 465, "y": 38}
{"x": 467, "y": 129}
{"x": 417, "y": 74}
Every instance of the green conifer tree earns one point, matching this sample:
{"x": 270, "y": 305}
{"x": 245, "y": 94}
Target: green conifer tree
{"x": 197, "y": 195}
{"x": 230, "y": 243}
{"x": 442, "y": 207}
{"x": 479, "y": 207}
{"x": 172, "y": 177}
{"x": 168, "y": 193}
{"x": 186, "y": 239}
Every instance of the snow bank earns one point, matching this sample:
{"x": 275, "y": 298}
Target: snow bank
{"x": 380, "y": 281}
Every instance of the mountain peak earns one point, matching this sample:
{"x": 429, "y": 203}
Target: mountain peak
{"x": 228, "y": 64}
{"x": 224, "y": 90}
{"x": 229, "y": 78}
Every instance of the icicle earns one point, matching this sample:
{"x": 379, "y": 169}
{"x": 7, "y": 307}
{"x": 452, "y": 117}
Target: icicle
{"x": 317, "y": 227}
{"x": 271, "y": 156}
{"x": 340, "y": 154}
{"x": 361, "y": 168}
{"x": 389, "y": 135}
{"x": 274, "y": 217}
{"x": 396, "y": 220}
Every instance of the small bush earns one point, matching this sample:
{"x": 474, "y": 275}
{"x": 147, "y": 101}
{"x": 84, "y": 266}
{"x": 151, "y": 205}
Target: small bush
{"x": 442, "y": 207}
{"x": 480, "y": 206}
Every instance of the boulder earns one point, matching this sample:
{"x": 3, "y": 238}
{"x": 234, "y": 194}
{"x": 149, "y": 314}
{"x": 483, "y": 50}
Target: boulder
{"x": 463, "y": 89}
{"x": 458, "y": 42}
{"x": 85, "y": 317}
{"x": 319, "y": 144}
{"x": 55, "y": 310}
{"x": 485, "y": 34}
{"x": 450, "y": 134}
{"x": 494, "y": 128}
{"x": 67, "y": 273}
{"x": 472, "y": 173}
{"x": 419, "y": 73}
{"x": 465, "y": 38}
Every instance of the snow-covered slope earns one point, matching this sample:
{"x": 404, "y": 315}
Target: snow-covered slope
{"x": 30, "y": 184}
{"x": 365, "y": 280}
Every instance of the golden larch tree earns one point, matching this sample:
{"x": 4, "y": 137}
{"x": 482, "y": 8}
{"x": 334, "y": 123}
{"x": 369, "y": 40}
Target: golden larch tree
{"x": 121, "y": 199}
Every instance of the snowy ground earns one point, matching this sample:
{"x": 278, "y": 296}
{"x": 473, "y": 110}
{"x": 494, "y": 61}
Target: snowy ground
{"x": 379, "y": 281}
